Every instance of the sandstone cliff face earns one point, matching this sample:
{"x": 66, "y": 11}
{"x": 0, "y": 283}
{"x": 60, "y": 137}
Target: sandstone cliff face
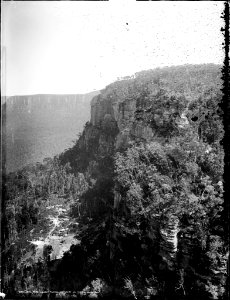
{"x": 122, "y": 112}
{"x": 121, "y": 100}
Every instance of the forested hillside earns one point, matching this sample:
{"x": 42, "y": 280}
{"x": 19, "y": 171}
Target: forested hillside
{"x": 143, "y": 189}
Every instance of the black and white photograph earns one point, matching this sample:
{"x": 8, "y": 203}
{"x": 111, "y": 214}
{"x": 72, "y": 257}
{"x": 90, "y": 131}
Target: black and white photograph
{"x": 112, "y": 156}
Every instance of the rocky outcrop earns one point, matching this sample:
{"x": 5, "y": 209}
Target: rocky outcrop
{"x": 123, "y": 113}
{"x": 169, "y": 237}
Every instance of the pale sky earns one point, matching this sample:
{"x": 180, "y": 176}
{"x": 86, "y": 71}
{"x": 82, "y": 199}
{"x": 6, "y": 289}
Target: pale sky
{"x": 69, "y": 47}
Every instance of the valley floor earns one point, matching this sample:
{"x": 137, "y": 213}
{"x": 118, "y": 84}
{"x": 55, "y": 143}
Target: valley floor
{"x": 56, "y": 231}
{"x": 60, "y": 235}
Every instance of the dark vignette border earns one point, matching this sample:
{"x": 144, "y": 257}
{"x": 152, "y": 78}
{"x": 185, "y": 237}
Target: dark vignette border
{"x": 225, "y": 107}
{"x": 2, "y": 188}
{"x": 50, "y": 0}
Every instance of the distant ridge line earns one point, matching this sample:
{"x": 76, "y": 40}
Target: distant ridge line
{"x": 33, "y": 95}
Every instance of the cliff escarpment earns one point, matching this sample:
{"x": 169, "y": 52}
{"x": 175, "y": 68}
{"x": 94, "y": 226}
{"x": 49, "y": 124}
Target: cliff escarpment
{"x": 143, "y": 193}
{"x": 39, "y": 126}
{"x": 153, "y": 105}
